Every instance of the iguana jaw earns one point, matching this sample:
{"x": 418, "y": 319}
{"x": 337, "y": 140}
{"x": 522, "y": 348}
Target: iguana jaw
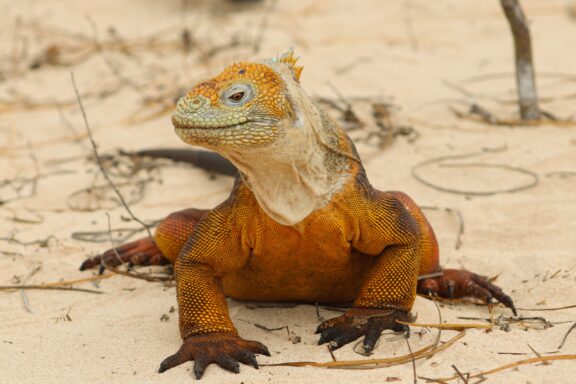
{"x": 249, "y": 134}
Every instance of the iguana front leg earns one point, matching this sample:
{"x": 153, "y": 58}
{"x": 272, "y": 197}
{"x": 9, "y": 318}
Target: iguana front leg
{"x": 391, "y": 234}
{"x": 395, "y": 224}
{"x": 385, "y": 298}
{"x": 214, "y": 250}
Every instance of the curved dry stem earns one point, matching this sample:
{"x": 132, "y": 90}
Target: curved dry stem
{"x": 375, "y": 363}
{"x": 512, "y": 365}
{"x": 440, "y": 160}
{"x": 448, "y": 326}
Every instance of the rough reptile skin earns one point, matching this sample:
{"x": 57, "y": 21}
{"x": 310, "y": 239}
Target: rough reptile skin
{"x": 356, "y": 245}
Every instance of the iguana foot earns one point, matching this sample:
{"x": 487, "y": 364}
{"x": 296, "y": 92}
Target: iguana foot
{"x": 456, "y": 283}
{"x": 140, "y": 252}
{"x": 224, "y": 349}
{"x": 359, "y": 322}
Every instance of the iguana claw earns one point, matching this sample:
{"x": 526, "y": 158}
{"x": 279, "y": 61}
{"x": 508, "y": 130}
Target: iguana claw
{"x": 456, "y": 283}
{"x": 359, "y": 322}
{"x": 224, "y": 349}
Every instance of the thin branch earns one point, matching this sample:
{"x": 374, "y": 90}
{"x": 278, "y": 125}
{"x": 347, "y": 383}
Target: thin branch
{"x": 99, "y": 160}
{"x": 65, "y": 283}
{"x": 457, "y": 242}
{"x": 538, "y": 354}
{"x": 47, "y": 287}
{"x": 464, "y": 378}
{"x": 449, "y": 326}
{"x": 440, "y": 161}
{"x": 548, "y": 309}
{"x": 430, "y": 275}
{"x": 374, "y": 363}
{"x": 413, "y": 359}
{"x": 331, "y": 353}
{"x": 566, "y": 335}
{"x": 525, "y": 78}
{"x": 23, "y": 295}
{"x": 135, "y": 275}
{"x": 41, "y": 243}
{"x": 124, "y": 234}
{"x": 513, "y": 365}
{"x": 439, "y": 335}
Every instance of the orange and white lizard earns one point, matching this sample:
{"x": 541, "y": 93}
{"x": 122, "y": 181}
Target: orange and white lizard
{"x": 302, "y": 224}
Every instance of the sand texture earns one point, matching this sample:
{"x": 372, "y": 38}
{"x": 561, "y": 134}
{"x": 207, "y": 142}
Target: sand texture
{"x": 423, "y": 62}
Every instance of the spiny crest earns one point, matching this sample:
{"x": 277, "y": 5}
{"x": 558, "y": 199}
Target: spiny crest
{"x": 289, "y": 59}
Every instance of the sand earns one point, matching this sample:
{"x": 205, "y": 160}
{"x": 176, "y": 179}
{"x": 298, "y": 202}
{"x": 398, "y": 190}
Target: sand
{"x": 409, "y": 53}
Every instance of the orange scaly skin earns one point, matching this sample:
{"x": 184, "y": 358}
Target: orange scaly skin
{"x": 321, "y": 233}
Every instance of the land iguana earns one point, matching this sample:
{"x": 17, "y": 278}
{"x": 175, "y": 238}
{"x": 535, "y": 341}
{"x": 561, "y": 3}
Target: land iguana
{"x": 302, "y": 224}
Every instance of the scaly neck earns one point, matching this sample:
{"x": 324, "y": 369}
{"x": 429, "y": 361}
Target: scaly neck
{"x": 298, "y": 174}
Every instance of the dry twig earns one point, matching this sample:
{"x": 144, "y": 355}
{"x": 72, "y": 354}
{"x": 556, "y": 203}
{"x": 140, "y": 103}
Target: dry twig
{"x": 132, "y": 274}
{"x": 447, "y": 326}
{"x": 47, "y": 287}
{"x": 525, "y": 77}
{"x": 374, "y": 363}
{"x": 548, "y": 309}
{"x": 566, "y": 335}
{"x": 464, "y": 378}
{"x": 538, "y": 354}
{"x": 413, "y": 359}
{"x": 459, "y": 233}
{"x": 512, "y": 365}
{"x": 440, "y": 162}
{"x": 99, "y": 160}
{"x": 124, "y": 234}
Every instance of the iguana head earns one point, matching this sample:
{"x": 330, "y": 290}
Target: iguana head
{"x": 290, "y": 154}
{"x": 246, "y": 106}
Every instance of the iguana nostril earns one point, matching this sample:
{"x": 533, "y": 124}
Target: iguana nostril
{"x": 194, "y": 103}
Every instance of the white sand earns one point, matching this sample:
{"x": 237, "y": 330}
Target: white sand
{"x": 364, "y": 49}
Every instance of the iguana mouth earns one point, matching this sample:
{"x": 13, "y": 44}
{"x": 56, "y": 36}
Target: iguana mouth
{"x": 188, "y": 124}
{"x": 179, "y": 123}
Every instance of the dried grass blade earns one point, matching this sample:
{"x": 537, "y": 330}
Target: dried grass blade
{"x": 448, "y": 326}
{"x": 512, "y": 365}
{"x": 374, "y": 363}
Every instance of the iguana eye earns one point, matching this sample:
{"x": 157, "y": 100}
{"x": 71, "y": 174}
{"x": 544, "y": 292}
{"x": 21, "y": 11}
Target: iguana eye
{"x": 237, "y": 94}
